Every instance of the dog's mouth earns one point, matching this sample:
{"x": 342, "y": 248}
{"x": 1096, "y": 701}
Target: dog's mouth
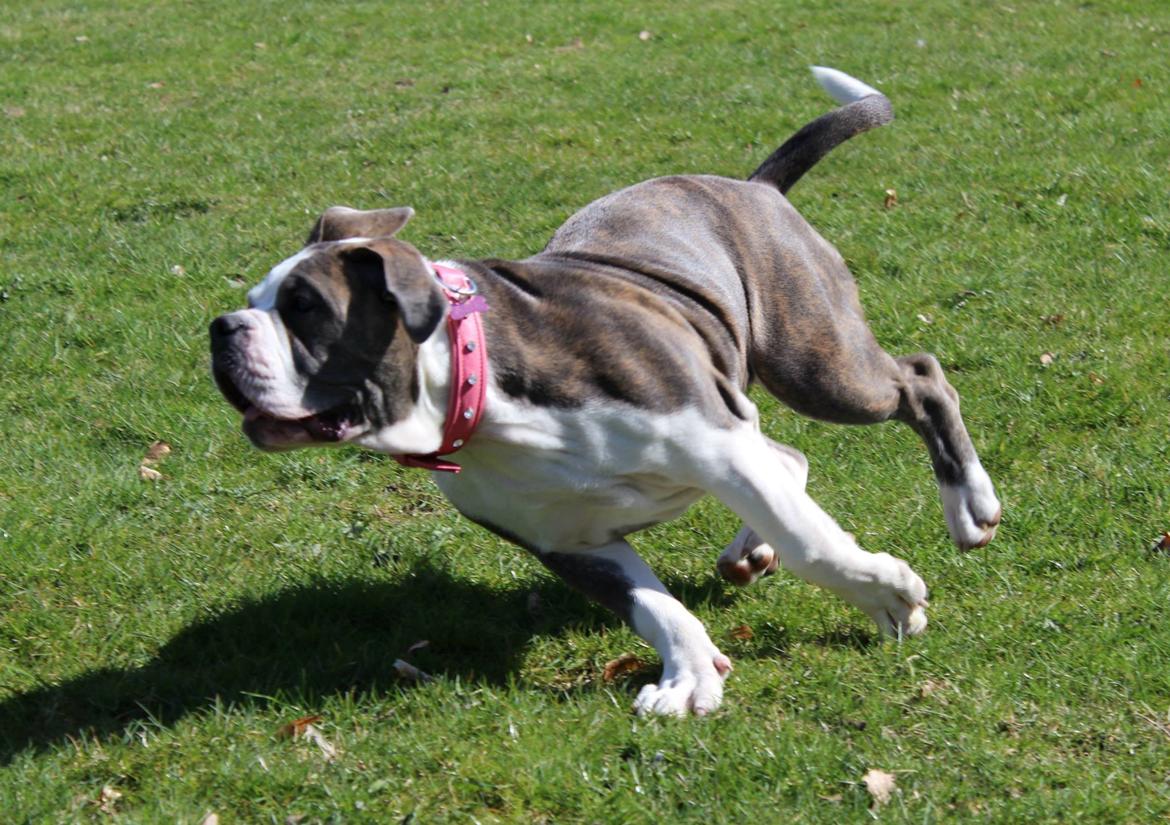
{"x": 270, "y": 432}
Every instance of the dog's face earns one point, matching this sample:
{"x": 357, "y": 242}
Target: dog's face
{"x": 326, "y": 351}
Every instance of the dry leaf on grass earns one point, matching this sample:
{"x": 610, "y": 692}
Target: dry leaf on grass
{"x": 644, "y": 35}
{"x": 743, "y": 633}
{"x": 296, "y": 727}
{"x": 880, "y": 786}
{"x": 409, "y": 672}
{"x": 108, "y": 799}
{"x": 626, "y": 663}
{"x": 891, "y": 199}
{"x": 156, "y": 452}
{"x": 1047, "y": 358}
{"x": 211, "y": 819}
{"x": 304, "y": 728}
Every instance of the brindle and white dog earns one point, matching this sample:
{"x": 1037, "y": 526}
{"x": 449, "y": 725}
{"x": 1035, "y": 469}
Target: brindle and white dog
{"x": 620, "y": 358}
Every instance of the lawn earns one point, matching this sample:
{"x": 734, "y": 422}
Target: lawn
{"x": 159, "y": 635}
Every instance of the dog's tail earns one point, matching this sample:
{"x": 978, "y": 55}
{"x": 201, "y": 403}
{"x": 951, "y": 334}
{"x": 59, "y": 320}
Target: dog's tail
{"x": 863, "y": 108}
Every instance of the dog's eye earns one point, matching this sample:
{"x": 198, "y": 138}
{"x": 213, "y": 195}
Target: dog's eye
{"x": 303, "y": 302}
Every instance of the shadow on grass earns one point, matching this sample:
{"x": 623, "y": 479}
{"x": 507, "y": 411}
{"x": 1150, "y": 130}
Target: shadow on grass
{"x": 315, "y": 640}
{"x": 301, "y": 644}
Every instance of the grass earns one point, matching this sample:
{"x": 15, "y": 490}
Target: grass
{"x": 154, "y": 637}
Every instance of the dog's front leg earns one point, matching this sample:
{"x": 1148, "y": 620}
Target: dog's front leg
{"x": 693, "y": 669}
{"x": 768, "y": 494}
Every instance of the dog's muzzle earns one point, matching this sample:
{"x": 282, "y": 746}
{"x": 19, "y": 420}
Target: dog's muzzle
{"x": 265, "y": 430}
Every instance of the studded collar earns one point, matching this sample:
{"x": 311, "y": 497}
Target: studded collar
{"x": 468, "y": 369}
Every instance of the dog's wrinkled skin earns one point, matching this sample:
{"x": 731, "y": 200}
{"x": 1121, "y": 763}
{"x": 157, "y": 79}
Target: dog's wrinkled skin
{"x": 620, "y": 358}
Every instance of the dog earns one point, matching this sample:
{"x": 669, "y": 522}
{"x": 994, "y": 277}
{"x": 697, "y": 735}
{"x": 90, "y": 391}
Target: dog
{"x": 600, "y": 386}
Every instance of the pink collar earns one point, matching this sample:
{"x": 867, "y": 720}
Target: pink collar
{"x": 468, "y": 369}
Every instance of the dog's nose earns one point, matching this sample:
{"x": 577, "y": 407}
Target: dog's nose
{"x": 225, "y": 326}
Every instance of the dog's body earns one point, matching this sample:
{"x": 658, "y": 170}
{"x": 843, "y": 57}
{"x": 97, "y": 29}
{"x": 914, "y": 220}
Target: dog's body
{"x": 619, "y": 361}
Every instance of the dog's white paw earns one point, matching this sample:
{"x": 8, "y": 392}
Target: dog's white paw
{"x": 972, "y": 510}
{"x": 894, "y": 596}
{"x": 686, "y": 687}
{"x": 746, "y": 559}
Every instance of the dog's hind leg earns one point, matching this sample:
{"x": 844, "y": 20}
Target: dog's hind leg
{"x": 615, "y": 576}
{"x": 930, "y": 405}
{"x": 856, "y": 382}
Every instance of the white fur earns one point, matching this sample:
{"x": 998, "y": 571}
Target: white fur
{"x": 971, "y": 508}
{"x": 842, "y": 87}
{"x": 587, "y": 475}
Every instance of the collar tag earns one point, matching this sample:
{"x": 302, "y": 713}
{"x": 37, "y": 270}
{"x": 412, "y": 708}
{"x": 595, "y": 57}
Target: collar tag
{"x": 476, "y": 303}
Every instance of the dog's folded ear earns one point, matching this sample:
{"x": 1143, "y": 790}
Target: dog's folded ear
{"x": 340, "y": 222}
{"x": 397, "y": 272}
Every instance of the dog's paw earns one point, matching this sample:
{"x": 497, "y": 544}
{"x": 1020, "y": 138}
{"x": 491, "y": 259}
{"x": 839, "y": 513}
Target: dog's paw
{"x": 746, "y": 559}
{"x": 894, "y": 597}
{"x": 972, "y": 510}
{"x": 686, "y": 687}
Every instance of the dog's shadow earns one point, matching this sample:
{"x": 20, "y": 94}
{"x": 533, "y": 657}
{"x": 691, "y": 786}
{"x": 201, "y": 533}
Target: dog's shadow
{"x": 312, "y": 641}
{"x": 298, "y": 646}
{"x": 305, "y": 643}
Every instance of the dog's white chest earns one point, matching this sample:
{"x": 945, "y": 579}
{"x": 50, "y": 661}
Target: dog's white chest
{"x": 564, "y": 480}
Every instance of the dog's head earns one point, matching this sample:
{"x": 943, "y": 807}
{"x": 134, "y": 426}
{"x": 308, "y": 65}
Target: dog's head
{"x": 326, "y": 351}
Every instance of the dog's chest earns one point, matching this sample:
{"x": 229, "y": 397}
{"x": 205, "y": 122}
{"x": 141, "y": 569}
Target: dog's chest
{"x": 561, "y": 480}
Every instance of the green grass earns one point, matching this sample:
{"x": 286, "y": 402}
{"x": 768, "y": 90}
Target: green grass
{"x": 158, "y": 157}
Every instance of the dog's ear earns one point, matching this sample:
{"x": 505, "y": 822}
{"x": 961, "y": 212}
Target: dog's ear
{"x": 397, "y": 272}
{"x": 340, "y": 222}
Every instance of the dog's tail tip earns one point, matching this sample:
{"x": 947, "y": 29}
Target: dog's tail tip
{"x": 861, "y": 107}
{"x": 842, "y": 87}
